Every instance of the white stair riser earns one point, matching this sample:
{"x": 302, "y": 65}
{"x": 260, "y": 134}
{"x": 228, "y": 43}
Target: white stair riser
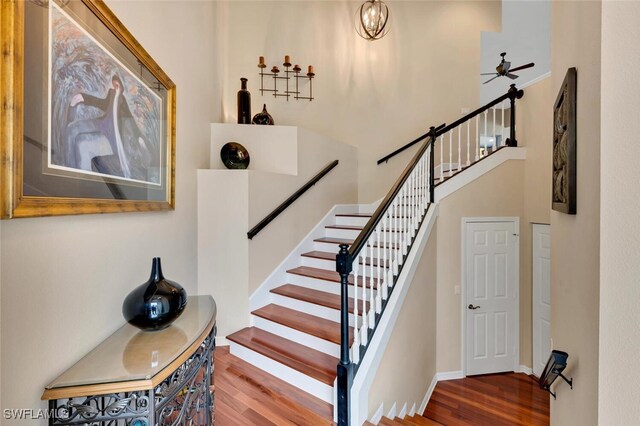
{"x": 297, "y": 336}
{"x": 323, "y": 263}
{"x": 333, "y": 248}
{"x": 309, "y": 308}
{"x": 289, "y": 375}
{"x": 351, "y": 221}
{"x": 348, "y": 234}
{"x": 322, "y": 285}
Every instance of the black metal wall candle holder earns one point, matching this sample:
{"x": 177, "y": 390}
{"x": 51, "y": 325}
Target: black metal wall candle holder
{"x": 555, "y": 366}
{"x": 288, "y": 74}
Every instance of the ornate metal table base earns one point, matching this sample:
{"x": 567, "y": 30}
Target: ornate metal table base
{"x": 183, "y": 398}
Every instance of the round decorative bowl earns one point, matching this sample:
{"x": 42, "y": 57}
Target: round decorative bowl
{"x": 235, "y": 156}
{"x": 155, "y": 304}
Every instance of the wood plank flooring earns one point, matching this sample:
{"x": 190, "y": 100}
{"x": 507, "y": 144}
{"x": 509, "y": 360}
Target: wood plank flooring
{"x": 495, "y": 399}
{"x": 247, "y": 396}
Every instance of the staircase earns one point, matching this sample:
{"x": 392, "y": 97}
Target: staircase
{"x": 318, "y": 325}
{"x": 300, "y": 329}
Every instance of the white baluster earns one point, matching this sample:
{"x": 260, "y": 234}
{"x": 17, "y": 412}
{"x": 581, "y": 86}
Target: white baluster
{"x": 486, "y": 133}
{"x": 428, "y": 183}
{"x": 355, "y": 349}
{"x": 450, "y": 153}
{"x": 468, "y": 141}
{"x": 495, "y": 135}
{"x": 502, "y": 135}
{"x": 477, "y": 137}
{"x": 396, "y": 235}
{"x": 385, "y": 231}
{"x": 441, "y": 160}
{"x": 459, "y": 148}
{"x": 377, "y": 266}
{"x": 364, "y": 327}
{"x": 372, "y": 300}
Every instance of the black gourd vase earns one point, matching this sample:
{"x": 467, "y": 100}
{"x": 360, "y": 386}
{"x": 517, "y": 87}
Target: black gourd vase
{"x": 244, "y": 103}
{"x": 263, "y": 117}
{"x": 155, "y": 304}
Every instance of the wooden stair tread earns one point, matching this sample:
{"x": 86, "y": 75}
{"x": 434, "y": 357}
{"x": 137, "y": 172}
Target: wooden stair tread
{"x": 306, "y": 323}
{"x": 322, "y": 298}
{"x": 387, "y": 422}
{"x": 423, "y": 421}
{"x": 349, "y": 242}
{"x": 354, "y": 214}
{"x": 310, "y": 362}
{"x": 346, "y": 227}
{"x": 400, "y": 421}
{"x": 327, "y": 275}
{"x": 325, "y": 255}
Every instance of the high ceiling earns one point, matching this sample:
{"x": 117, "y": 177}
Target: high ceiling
{"x": 526, "y": 37}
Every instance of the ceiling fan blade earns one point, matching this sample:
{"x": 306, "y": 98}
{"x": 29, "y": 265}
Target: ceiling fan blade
{"x": 491, "y": 79}
{"x": 522, "y": 67}
{"x": 506, "y": 66}
{"x": 511, "y": 76}
{"x": 489, "y": 73}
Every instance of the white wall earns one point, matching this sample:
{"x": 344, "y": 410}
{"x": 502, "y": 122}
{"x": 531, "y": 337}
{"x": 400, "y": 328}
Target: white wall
{"x": 575, "y": 239}
{"x": 619, "y": 372}
{"x": 377, "y": 95}
{"x": 64, "y": 278}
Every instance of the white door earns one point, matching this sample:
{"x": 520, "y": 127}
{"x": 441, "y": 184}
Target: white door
{"x": 541, "y": 297}
{"x": 490, "y": 303}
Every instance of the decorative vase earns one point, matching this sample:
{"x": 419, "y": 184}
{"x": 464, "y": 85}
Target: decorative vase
{"x": 155, "y": 304}
{"x": 235, "y": 156}
{"x": 263, "y": 117}
{"x": 244, "y": 103}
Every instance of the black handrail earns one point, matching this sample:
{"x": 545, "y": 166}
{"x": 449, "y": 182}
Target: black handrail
{"x": 509, "y": 95}
{"x": 370, "y": 227}
{"x": 282, "y": 207}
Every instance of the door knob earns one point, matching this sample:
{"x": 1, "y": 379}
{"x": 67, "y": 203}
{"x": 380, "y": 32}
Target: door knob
{"x": 473, "y": 307}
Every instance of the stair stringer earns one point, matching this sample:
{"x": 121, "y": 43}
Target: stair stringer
{"x": 371, "y": 361}
{"x": 262, "y": 296}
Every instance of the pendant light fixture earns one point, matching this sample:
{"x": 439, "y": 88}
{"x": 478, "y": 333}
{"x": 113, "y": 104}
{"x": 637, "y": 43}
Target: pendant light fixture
{"x": 372, "y": 20}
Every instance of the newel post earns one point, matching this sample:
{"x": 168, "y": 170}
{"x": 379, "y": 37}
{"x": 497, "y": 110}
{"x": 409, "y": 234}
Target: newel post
{"x": 345, "y": 368}
{"x": 514, "y": 94}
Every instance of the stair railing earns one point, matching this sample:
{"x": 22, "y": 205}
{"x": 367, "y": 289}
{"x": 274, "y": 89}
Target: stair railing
{"x": 372, "y": 264}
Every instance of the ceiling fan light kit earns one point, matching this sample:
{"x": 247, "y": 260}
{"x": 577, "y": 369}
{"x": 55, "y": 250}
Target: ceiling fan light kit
{"x": 504, "y": 69}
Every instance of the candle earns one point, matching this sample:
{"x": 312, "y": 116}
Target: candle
{"x": 287, "y": 59}
{"x": 310, "y": 69}
{"x": 261, "y": 60}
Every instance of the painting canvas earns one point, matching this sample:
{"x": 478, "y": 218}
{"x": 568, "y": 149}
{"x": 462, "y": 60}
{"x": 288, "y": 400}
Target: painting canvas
{"x": 90, "y": 123}
{"x": 563, "y": 191}
{"x": 103, "y": 119}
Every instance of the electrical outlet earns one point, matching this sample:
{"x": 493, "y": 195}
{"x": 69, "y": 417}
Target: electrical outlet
{"x": 456, "y": 290}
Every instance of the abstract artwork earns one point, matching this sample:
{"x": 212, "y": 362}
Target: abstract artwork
{"x": 90, "y": 120}
{"x": 563, "y": 190}
{"x": 104, "y": 119}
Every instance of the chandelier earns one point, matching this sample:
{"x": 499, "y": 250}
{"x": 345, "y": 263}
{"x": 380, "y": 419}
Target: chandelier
{"x": 372, "y": 19}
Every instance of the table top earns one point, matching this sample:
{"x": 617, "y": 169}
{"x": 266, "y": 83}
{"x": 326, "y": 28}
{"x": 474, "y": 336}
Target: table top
{"x": 131, "y": 359}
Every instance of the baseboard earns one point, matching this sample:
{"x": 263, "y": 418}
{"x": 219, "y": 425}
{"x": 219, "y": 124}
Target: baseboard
{"x": 221, "y": 341}
{"x": 403, "y": 412}
{"x": 392, "y": 413}
{"x": 412, "y": 412}
{"x": 427, "y": 396}
{"x": 450, "y": 375}
{"x": 377, "y": 416}
{"x": 526, "y": 370}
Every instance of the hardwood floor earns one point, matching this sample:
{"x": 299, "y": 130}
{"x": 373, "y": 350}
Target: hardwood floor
{"x": 495, "y": 399}
{"x": 245, "y": 395}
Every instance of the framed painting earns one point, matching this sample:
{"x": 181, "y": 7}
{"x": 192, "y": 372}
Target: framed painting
{"x": 88, "y": 117}
{"x": 563, "y": 190}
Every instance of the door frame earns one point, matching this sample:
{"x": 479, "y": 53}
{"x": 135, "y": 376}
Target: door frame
{"x": 533, "y": 293}
{"x": 463, "y": 284}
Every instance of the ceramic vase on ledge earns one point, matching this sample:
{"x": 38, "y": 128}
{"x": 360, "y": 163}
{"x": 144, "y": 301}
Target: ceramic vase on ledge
{"x": 244, "y": 103}
{"x": 263, "y": 117}
{"x": 155, "y": 304}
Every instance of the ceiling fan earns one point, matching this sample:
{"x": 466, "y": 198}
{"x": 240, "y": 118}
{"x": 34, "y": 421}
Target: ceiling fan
{"x": 504, "y": 69}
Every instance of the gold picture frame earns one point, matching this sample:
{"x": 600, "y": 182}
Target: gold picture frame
{"x": 102, "y": 110}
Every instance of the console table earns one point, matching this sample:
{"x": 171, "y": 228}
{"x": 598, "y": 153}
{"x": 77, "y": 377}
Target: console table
{"x": 142, "y": 378}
